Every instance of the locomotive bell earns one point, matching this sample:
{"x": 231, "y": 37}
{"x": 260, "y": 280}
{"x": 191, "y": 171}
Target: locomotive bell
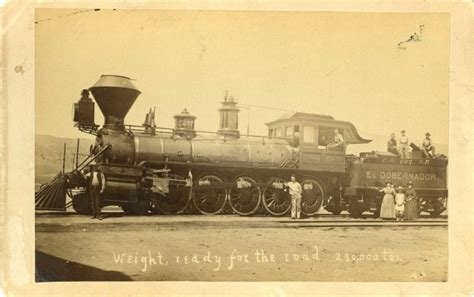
{"x": 115, "y": 96}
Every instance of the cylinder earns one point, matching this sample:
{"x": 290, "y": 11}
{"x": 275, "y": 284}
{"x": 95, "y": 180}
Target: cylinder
{"x": 121, "y": 187}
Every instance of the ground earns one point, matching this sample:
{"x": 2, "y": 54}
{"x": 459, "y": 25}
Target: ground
{"x": 228, "y": 247}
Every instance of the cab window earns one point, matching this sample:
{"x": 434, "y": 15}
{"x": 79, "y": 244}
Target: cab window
{"x": 270, "y": 133}
{"x": 277, "y": 132}
{"x": 308, "y": 134}
{"x": 296, "y": 136}
{"x": 289, "y": 131}
{"x": 326, "y": 135}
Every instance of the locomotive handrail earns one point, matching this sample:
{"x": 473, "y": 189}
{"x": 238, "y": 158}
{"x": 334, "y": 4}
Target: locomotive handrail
{"x": 131, "y": 127}
{"x": 88, "y": 156}
{"x": 79, "y": 168}
{"x": 196, "y": 164}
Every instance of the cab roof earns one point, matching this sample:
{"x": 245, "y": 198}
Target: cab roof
{"x": 351, "y": 136}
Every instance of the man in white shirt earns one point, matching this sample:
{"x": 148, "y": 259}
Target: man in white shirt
{"x": 338, "y": 139}
{"x": 295, "y": 191}
{"x": 403, "y": 145}
{"x": 96, "y": 189}
{"x": 338, "y": 143}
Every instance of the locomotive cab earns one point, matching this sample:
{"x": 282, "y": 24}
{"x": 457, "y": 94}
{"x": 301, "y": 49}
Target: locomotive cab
{"x": 314, "y": 136}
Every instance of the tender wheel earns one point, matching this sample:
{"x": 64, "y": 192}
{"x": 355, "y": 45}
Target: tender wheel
{"x": 275, "y": 199}
{"x": 126, "y": 209}
{"x": 312, "y": 197}
{"x": 439, "y": 206}
{"x": 435, "y": 213}
{"x": 209, "y": 194}
{"x": 355, "y": 208}
{"x": 334, "y": 205}
{"x": 377, "y": 213}
{"x": 419, "y": 205}
{"x": 140, "y": 208}
{"x": 81, "y": 204}
{"x": 154, "y": 209}
{"x": 244, "y": 196}
{"x": 176, "y": 200}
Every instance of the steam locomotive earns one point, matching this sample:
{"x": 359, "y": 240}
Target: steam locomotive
{"x": 181, "y": 170}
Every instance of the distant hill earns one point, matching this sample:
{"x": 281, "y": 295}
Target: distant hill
{"x": 49, "y": 155}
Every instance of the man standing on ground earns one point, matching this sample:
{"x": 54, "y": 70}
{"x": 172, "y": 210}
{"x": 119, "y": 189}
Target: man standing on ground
{"x": 96, "y": 189}
{"x": 295, "y": 193}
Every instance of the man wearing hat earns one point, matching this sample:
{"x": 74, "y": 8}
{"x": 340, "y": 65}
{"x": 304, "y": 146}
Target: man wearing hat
{"x": 98, "y": 146}
{"x": 96, "y": 189}
{"x": 428, "y": 149}
{"x": 392, "y": 145}
{"x": 295, "y": 193}
{"x": 85, "y": 96}
{"x": 403, "y": 145}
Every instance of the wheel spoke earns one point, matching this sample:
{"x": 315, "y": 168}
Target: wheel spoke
{"x": 312, "y": 197}
{"x": 177, "y": 200}
{"x": 212, "y": 200}
{"x": 275, "y": 200}
{"x": 245, "y": 195}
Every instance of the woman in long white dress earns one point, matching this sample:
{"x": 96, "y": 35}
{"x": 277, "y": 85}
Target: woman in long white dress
{"x": 387, "y": 209}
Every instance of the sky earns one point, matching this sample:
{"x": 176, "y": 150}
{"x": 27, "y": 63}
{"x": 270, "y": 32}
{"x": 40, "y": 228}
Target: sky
{"x": 344, "y": 64}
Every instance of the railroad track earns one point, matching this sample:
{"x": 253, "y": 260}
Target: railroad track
{"x": 367, "y": 223}
{"x": 119, "y": 222}
{"x": 118, "y": 212}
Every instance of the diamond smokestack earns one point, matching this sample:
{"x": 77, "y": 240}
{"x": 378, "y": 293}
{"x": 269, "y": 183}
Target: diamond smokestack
{"x": 115, "y": 96}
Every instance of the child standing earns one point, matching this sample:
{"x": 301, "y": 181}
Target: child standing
{"x": 399, "y": 204}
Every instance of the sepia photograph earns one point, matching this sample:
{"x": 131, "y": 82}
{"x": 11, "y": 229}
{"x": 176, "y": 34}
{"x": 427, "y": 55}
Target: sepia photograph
{"x": 213, "y": 145}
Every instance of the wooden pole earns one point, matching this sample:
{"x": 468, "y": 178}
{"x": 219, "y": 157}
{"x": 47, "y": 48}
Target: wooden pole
{"x": 77, "y": 153}
{"x": 64, "y": 158}
{"x": 248, "y": 121}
